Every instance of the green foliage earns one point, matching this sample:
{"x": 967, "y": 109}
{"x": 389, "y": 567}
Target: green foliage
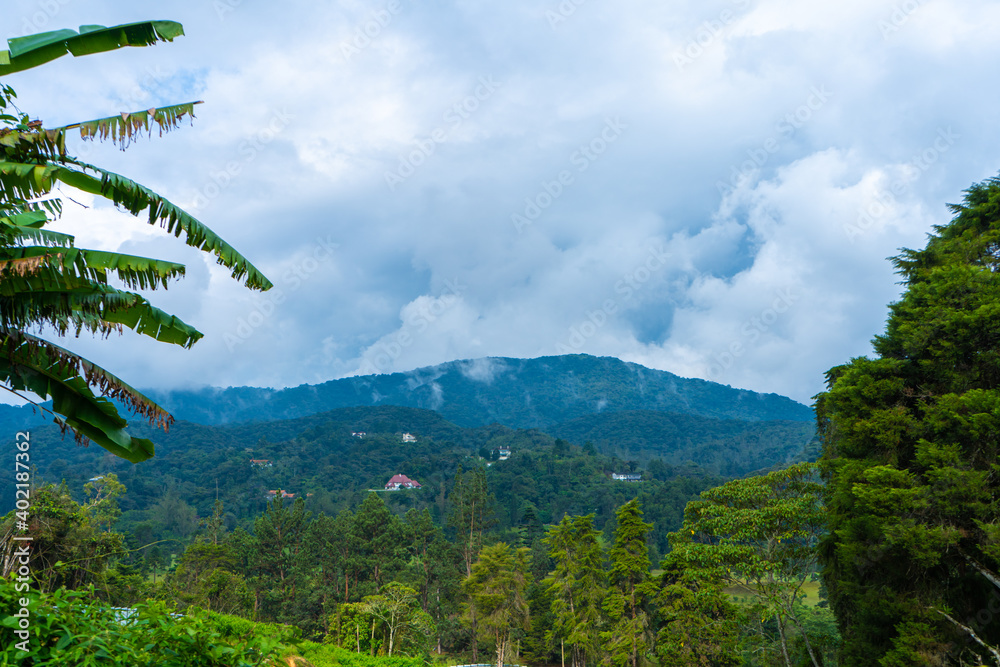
{"x": 759, "y": 533}
{"x": 577, "y": 586}
{"x": 700, "y": 625}
{"x": 327, "y": 655}
{"x": 911, "y": 447}
{"x": 69, "y": 547}
{"x": 496, "y": 589}
{"x": 47, "y": 282}
{"x": 70, "y": 628}
{"x": 627, "y": 638}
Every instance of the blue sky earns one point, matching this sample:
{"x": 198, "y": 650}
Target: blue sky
{"x": 709, "y": 188}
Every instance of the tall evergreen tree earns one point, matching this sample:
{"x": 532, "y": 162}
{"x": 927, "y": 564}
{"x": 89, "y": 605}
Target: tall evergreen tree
{"x": 577, "y": 586}
{"x": 628, "y": 638}
{"x": 911, "y": 444}
{"x": 700, "y": 625}
{"x": 496, "y": 589}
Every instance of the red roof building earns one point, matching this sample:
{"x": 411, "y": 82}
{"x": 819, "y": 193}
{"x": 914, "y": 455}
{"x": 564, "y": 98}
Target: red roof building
{"x": 401, "y": 482}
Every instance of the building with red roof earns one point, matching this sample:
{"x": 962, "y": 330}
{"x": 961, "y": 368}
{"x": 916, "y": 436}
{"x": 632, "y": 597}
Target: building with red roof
{"x": 401, "y": 482}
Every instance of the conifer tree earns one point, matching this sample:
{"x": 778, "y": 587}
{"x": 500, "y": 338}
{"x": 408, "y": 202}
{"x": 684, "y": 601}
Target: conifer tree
{"x": 911, "y": 446}
{"x": 628, "y": 638}
{"x": 577, "y": 586}
{"x": 496, "y": 589}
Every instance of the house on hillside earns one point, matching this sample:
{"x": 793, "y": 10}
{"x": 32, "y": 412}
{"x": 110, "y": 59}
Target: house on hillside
{"x": 407, "y": 437}
{"x": 503, "y": 453}
{"x": 261, "y": 463}
{"x": 401, "y": 482}
{"x": 627, "y": 476}
{"x": 284, "y": 494}
{"x": 359, "y": 434}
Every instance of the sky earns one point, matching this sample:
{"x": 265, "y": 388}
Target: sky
{"x": 707, "y": 188}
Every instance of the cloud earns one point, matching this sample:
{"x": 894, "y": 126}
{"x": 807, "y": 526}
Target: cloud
{"x": 763, "y": 167}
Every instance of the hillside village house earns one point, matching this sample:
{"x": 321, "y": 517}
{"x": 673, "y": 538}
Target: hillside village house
{"x": 627, "y": 476}
{"x": 261, "y": 463}
{"x": 284, "y": 494}
{"x": 407, "y": 437}
{"x": 401, "y": 482}
{"x": 359, "y": 434}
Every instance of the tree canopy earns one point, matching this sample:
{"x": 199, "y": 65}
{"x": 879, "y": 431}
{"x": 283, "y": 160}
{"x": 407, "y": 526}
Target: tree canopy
{"x": 911, "y": 445}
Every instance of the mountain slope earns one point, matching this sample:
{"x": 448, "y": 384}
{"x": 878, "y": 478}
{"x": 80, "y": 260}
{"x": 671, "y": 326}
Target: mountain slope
{"x": 519, "y": 393}
{"x": 724, "y": 446}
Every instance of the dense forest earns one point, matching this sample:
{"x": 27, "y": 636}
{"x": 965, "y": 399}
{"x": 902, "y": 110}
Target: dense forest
{"x": 317, "y": 457}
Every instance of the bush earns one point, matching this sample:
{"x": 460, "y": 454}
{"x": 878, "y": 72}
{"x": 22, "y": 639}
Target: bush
{"x": 72, "y": 628}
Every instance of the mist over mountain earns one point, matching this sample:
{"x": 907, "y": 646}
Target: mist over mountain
{"x": 518, "y": 393}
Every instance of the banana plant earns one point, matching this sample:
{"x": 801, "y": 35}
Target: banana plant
{"x": 49, "y": 284}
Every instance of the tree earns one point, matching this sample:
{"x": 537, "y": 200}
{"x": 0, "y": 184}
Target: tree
{"x": 271, "y": 558}
{"x": 911, "y": 440}
{"x": 759, "y": 533}
{"x": 68, "y": 547}
{"x": 700, "y": 624}
{"x": 471, "y": 515}
{"x": 471, "y": 512}
{"x": 627, "y": 639}
{"x": 496, "y": 589}
{"x": 577, "y": 586}
{"x": 380, "y": 538}
{"x": 45, "y": 281}
{"x": 396, "y": 606}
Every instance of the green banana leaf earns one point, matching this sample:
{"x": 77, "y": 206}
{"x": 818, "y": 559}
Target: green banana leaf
{"x": 27, "y": 181}
{"x": 34, "y": 50}
{"x": 28, "y": 363}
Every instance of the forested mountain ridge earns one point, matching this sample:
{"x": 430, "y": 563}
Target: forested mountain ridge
{"x": 519, "y": 393}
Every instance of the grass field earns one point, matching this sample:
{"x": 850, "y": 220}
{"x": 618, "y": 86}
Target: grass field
{"x": 810, "y": 588}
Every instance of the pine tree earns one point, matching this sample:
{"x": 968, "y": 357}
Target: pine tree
{"x": 577, "y": 586}
{"x": 628, "y": 639}
{"x": 911, "y": 444}
{"x": 496, "y": 589}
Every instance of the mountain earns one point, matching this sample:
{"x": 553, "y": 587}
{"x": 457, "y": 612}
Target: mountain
{"x": 728, "y": 447}
{"x": 519, "y": 393}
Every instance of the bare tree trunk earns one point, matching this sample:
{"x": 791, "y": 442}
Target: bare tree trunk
{"x": 805, "y": 638}
{"x": 784, "y": 642}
